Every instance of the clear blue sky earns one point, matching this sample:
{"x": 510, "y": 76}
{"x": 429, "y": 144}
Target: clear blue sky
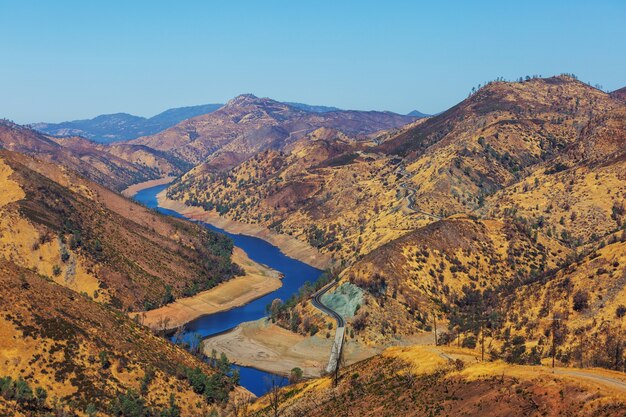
{"x": 75, "y": 59}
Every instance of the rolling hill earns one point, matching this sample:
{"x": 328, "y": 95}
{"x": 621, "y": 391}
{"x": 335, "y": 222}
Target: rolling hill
{"x": 430, "y": 381}
{"x": 63, "y": 354}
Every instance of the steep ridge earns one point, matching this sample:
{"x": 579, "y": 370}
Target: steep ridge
{"x": 95, "y": 241}
{"x": 449, "y": 163}
{"x": 248, "y": 124}
{"x": 619, "y": 94}
{"x": 494, "y": 138}
{"x": 579, "y": 196}
{"x": 68, "y": 355}
{"x": 115, "y": 167}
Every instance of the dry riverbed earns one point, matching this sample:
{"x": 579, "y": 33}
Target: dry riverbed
{"x": 263, "y": 345}
{"x": 135, "y": 188}
{"x": 258, "y": 281}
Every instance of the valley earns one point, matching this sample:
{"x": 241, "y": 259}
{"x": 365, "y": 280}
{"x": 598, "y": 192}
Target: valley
{"x": 462, "y": 252}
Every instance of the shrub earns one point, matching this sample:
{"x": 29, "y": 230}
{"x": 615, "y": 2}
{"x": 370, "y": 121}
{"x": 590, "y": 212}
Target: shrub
{"x": 130, "y": 404}
{"x": 295, "y": 375}
{"x": 469, "y": 342}
{"x": 581, "y": 300}
{"x": 104, "y": 360}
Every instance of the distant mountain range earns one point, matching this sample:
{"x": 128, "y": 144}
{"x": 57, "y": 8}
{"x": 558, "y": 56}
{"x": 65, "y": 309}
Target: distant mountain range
{"x": 417, "y": 113}
{"x": 116, "y": 127}
{"x": 312, "y": 108}
{"x": 108, "y": 128}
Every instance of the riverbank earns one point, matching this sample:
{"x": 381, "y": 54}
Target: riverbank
{"x": 135, "y": 188}
{"x": 265, "y": 346}
{"x": 290, "y": 246}
{"x": 258, "y": 281}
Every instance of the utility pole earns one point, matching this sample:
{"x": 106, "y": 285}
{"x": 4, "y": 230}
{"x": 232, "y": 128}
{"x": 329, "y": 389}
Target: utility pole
{"x": 435, "y": 323}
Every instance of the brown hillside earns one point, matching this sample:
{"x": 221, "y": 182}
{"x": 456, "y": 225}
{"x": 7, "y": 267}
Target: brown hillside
{"x": 324, "y": 189}
{"x": 248, "y": 124}
{"x": 579, "y": 196}
{"x": 353, "y": 202}
{"x": 115, "y": 166}
{"x": 619, "y": 94}
{"x": 495, "y": 137}
{"x": 84, "y": 354}
{"x": 588, "y": 297}
{"x": 95, "y": 241}
{"x": 428, "y": 381}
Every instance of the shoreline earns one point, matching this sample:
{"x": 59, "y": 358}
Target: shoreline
{"x": 267, "y": 347}
{"x": 133, "y": 189}
{"x": 259, "y": 280}
{"x": 288, "y": 245}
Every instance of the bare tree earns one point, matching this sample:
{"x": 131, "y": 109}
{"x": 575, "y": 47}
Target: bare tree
{"x": 274, "y": 395}
{"x": 240, "y": 404}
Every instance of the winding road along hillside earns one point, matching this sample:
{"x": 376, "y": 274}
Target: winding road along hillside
{"x": 335, "y": 352}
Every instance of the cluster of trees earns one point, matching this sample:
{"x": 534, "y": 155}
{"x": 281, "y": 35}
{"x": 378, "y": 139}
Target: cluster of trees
{"x": 214, "y": 388}
{"x": 133, "y": 404}
{"x": 19, "y": 390}
{"x": 284, "y": 313}
{"x": 318, "y": 238}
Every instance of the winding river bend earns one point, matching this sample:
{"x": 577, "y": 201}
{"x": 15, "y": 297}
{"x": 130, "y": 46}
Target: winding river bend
{"x": 295, "y": 274}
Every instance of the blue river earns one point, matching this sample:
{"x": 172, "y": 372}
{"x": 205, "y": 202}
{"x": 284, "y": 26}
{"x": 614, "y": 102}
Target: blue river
{"x": 295, "y": 273}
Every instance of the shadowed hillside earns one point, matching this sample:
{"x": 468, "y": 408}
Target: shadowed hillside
{"x": 64, "y": 354}
{"x": 95, "y": 241}
{"x": 115, "y": 167}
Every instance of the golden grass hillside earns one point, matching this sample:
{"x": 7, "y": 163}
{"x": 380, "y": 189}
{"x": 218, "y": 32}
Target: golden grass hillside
{"x": 528, "y": 177}
{"x": 325, "y": 190}
{"x": 97, "y": 242}
{"x": 429, "y": 381}
{"x": 80, "y": 357}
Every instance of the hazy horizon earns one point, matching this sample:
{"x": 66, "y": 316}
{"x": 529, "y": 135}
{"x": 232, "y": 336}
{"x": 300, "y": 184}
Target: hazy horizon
{"x": 74, "y": 60}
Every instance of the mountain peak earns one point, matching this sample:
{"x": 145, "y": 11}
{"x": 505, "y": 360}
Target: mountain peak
{"x": 243, "y": 99}
{"x": 417, "y": 113}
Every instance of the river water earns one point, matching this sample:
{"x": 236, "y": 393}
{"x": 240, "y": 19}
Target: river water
{"x": 295, "y": 273}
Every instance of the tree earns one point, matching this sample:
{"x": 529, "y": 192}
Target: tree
{"x": 274, "y": 395}
{"x": 104, "y": 360}
{"x": 581, "y": 300}
{"x": 173, "y": 410}
{"x": 129, "y": 404}
{"x": 41, "y": 394}
{"x": 91, "y": 410}
{"x": 23, "y": 392}
{"x": 240, "y": 405}
{"x": 295, "y": 375}
{"x": 65, "y": 255}
{"x": 168, "y": 297}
